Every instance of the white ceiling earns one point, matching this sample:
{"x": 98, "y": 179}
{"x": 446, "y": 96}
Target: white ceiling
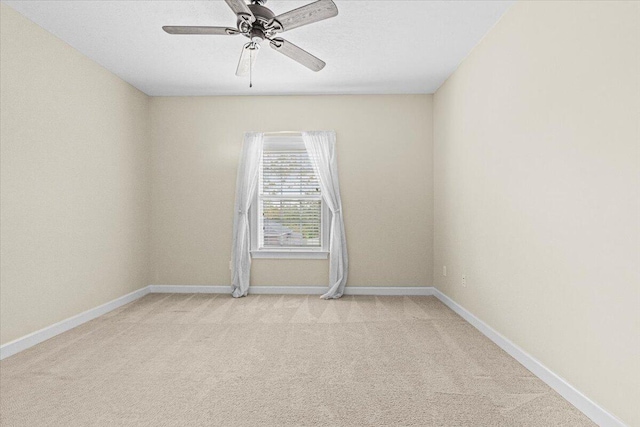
{"x": 371, "y": 47}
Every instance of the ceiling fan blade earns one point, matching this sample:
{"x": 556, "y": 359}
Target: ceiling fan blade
{"x": 241, "y": 9}
{"x": 218, "y": 31}
{"x": 247, "y": 59}
{"x": 297, "y": 54}
{"x": 313, "y": 12}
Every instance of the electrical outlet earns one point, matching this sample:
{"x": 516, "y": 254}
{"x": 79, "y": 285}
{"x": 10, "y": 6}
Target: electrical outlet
{"x": 444, "y": 270}
{"x": 230, "y": 267}
{"x": 464, "y": 280}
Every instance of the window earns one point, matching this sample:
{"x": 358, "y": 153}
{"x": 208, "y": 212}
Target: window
{"x": 289, "y": 217}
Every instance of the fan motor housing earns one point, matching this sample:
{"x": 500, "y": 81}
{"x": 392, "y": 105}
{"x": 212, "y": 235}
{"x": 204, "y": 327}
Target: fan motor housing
{"x": 263, "y": 14}
{"x": 258, "y": 30}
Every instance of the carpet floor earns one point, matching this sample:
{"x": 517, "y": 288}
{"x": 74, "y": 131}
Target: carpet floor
{"x": 270, "y": 360}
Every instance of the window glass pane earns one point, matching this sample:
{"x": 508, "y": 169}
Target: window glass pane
{"x": 288, "y": 173}
{"x": 291, "y": 223}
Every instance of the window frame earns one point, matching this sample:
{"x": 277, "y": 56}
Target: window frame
{"x": 288, "y": 141}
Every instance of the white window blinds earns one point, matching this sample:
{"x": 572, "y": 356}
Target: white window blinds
{"x": 289, "y": 201}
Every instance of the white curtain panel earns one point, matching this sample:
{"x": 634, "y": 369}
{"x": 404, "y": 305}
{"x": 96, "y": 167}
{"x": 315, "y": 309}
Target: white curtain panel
{"x": 246, "y": 186}
{"x": 321, "y": 147}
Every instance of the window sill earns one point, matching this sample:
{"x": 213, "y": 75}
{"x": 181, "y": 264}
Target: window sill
{"x": 290, "y": 254}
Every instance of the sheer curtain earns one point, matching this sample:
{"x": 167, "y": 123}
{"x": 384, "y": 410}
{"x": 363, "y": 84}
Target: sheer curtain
{"x": 246, "y": 185}
{"x": 321, "y": 147}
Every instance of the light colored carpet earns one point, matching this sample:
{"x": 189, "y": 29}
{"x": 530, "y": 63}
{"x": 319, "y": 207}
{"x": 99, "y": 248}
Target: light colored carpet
{"x": 268, "y": 360}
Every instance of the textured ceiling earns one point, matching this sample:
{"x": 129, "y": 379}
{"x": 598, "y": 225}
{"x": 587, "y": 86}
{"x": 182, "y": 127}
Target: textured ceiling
{"x": 371, "y": 47}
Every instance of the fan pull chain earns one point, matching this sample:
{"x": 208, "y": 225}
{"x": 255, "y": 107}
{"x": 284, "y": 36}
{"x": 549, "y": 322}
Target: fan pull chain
{"x": 250, "y": 67}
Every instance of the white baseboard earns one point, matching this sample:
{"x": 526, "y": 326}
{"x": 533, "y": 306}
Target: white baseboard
{"x": 23, "y": 343}
{"x": 588, "y": 407}
{"x": 389, "y": 290}
{"x": 296, "y": 290}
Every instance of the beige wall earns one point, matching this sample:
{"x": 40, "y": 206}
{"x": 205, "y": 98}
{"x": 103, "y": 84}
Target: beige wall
{"x": 74, "y": 184}
{"x": 384, "y": 146}
{"x": 537, "y": 191}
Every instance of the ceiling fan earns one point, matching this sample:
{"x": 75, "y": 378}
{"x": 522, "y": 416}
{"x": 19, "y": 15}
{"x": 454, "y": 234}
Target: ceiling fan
{"x": 259, "y": 23}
